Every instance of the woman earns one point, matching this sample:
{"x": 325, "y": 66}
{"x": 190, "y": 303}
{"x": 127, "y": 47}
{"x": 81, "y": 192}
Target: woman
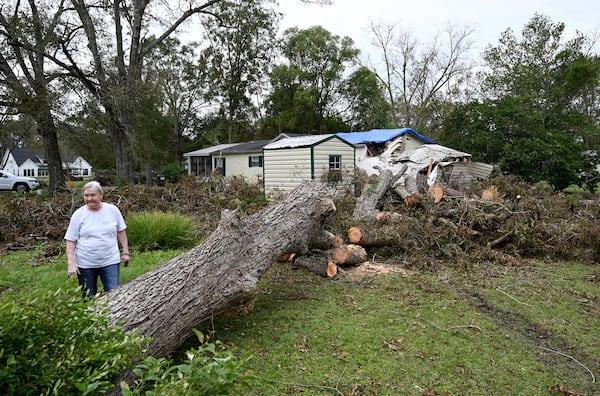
{"x": 93, "y": 237}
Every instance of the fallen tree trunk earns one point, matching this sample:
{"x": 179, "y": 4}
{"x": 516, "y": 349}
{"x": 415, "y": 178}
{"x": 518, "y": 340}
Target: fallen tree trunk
{"x": 168, "y": 302}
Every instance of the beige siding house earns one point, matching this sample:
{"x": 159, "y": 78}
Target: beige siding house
{"x": 290, "y": 161}
{"x": 245, "y": 160}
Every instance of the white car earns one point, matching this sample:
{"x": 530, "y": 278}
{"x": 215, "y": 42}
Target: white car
{"x": 10, "y": 182}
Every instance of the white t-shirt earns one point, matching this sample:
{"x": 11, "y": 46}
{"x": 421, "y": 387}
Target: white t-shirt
{"x": 95, "y": 235}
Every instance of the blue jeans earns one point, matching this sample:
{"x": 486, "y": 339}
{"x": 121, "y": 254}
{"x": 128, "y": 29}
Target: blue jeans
{"x": 88, "y": 279}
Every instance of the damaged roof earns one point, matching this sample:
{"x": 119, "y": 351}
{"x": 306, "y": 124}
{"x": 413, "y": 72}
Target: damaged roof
{"x": 380, "y": 135}
{"x": 428, "y": 152}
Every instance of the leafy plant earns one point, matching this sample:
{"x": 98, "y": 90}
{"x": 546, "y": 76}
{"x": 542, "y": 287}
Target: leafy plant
{"x": 159, "y": 230}
{"x": 173, "y": 172}
{"x": 58, "y": 344}
{"x": 211, "y": 369}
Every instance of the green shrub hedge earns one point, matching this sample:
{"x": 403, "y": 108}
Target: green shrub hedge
{"x": 59, "y": 344}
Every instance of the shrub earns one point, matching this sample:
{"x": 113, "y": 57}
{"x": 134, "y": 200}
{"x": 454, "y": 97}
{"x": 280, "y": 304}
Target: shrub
{"x": 173, "y": 172}
{"x": 210, "y": 370}
{"x": 159, "y": 230}
{"x": 59, "y": 345}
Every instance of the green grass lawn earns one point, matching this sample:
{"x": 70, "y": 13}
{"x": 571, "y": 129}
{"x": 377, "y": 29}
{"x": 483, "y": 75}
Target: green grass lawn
{"x": 487, "y": 331}
{"x": 445, "y": 333}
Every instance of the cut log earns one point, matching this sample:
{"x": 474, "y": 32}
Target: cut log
{"x": 368, "y": 202}
{"x": 388, "y": 216}
{"x": 349, "y": 254}
{"x": 490, "y": 194}
{"x": 167, "y": 303}
{"x": 412, "y": 200}
{"x": 370, "y": 236}
{"x": 436, "y": 192}
{"x": 325, "y": 240}
{"x": 331, "y": 269}
{"x": 318, "y": 263}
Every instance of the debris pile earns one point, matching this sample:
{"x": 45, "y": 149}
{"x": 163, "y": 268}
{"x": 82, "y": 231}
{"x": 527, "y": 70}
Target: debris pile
{"x": 499, "y": 220}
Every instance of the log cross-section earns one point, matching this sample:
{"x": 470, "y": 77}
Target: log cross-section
{"x": 349, "y": 254}
{"x": 167, "y": 303}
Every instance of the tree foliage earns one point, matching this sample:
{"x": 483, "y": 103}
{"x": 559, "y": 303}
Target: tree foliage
{"x": 367, "y": 107}
{"x": 533, "y": 123}
{"x": 179, "y": 79}
{"x": 306, "y": 95}
{"x": 237, "y": 58}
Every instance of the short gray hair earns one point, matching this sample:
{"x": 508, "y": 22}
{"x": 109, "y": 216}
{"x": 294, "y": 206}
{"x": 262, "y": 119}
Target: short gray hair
{"x": 93, "y": 185}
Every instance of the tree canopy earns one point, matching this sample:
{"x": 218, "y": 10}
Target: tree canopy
{"x": 117, "y": 74}
{"x": 532, "y": 119}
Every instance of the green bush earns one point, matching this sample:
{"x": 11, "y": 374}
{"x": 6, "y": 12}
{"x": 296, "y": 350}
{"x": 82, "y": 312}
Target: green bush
{"x": 173, "y": 172}
{"x": 58, "y": 344}
{"x": 210, "y": 370}
{"x": 159, "y": 230}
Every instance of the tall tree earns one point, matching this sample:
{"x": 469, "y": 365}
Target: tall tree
{"x": 306, "y": 93}
{"x": 181, "y": 80}
{"x": 420, "y": 79}
{"x": 122, "y": 45}
{"x": 238, "y": 57}
{"x": 367, "y": 107}
{"x": 533, "y": 124}
{"x": 27, "y": 32}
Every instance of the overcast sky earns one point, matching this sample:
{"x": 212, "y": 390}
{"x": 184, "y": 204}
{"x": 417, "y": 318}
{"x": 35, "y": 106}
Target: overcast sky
{"x": 424, "y": 18}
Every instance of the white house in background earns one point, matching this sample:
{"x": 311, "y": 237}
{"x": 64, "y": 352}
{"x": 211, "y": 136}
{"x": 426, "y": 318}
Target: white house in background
{"x": 24, "y": 161}
{"x": 77, "y": 166}
{"x": 288, "y": 162}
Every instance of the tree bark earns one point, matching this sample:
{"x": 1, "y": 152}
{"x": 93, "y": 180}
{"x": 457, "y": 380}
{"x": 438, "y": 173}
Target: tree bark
{"x": 325, "y": 240}
{"x": 168, "y": 302}
{"x": 366, "y": 204}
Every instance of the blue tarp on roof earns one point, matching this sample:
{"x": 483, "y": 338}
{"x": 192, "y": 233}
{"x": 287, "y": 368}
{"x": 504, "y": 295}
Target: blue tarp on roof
{"x": 380, "y": 135}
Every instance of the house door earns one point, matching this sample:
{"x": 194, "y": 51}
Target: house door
{"x": 220, "y": 166}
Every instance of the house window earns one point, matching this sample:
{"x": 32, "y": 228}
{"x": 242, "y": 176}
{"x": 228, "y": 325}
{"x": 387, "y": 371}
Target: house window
{"x": 255, "y": 161}
{"x": 86, "y": 172}
{"x": 29, "y": 172}
{"x": 335, "y": 162}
